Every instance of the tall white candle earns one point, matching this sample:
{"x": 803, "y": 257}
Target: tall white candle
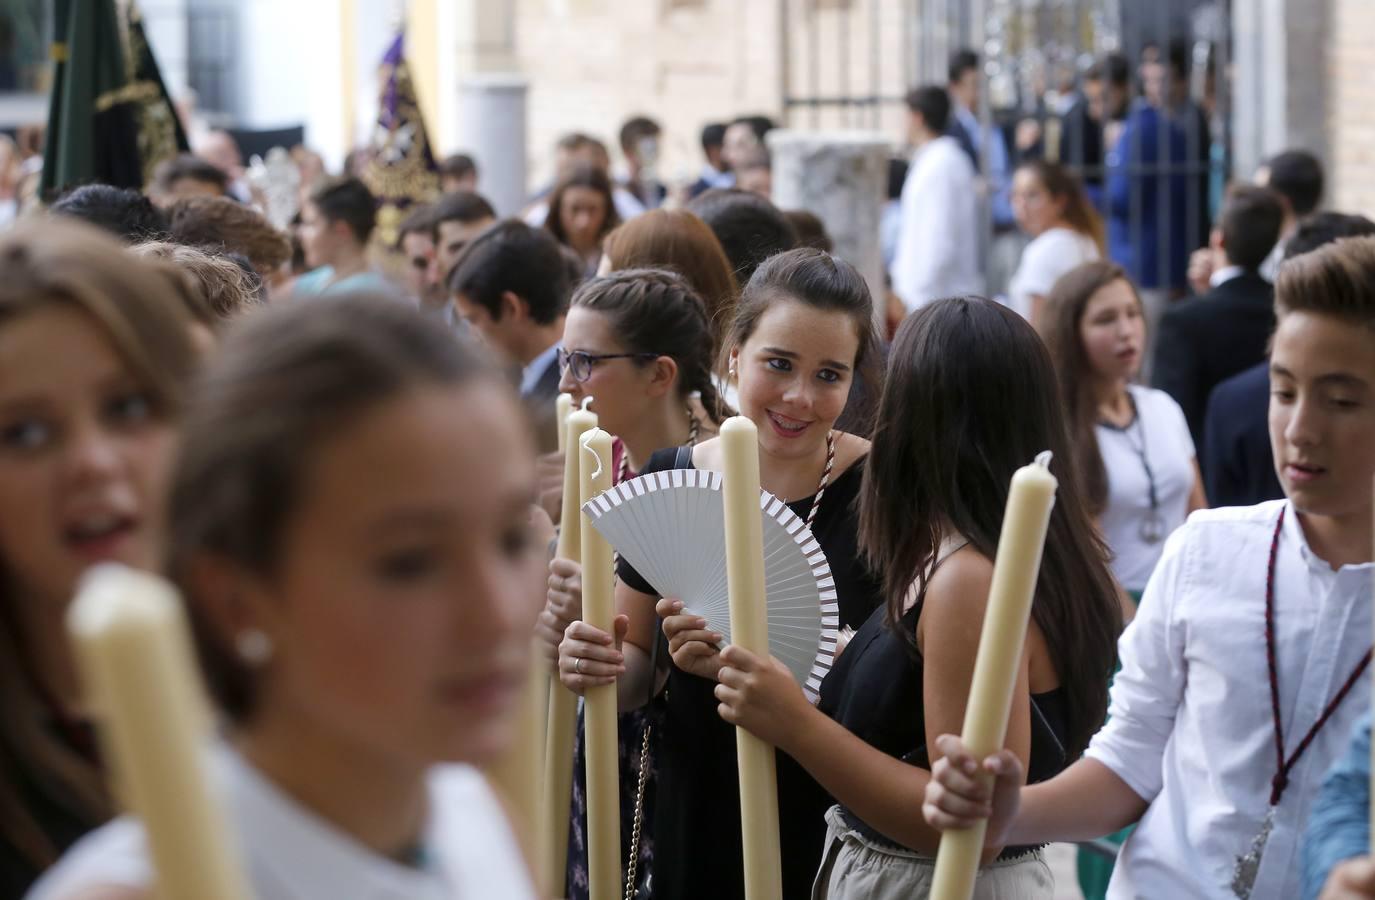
{"x": 133, "y": 648}
{"x": 599, "y": 703}
{"x": 750, "y": 629}
{"x": 1001, "y": 644}
{"x": 556, "y": 803}
{"x": 563, "y": 407}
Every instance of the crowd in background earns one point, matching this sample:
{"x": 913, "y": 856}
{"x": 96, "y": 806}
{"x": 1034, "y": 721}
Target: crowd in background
{"x": 1130, "y": 324}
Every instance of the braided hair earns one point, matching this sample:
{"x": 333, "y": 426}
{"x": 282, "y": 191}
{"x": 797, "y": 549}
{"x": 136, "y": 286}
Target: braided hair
{"x": 656, "y": 311}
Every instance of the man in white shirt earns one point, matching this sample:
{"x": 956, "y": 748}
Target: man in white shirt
{"x": 512, "y": 286}
{"x": 1247, "y": 667}
{"x": 938, "y": 239}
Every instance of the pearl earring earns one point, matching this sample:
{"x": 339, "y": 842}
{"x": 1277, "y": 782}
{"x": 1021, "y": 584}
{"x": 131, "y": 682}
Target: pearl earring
{"x": 254, "y": 646}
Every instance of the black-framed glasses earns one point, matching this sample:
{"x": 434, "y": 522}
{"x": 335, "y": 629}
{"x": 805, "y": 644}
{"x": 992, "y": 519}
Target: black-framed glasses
{"x": 580, "y": 362}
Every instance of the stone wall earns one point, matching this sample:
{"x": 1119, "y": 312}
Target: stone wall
{"x": 591, "y": 64}
{"x": 1351, "y": 106}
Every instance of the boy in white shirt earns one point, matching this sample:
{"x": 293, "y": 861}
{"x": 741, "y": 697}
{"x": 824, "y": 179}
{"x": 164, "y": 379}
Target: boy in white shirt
{"x": 937, "y": 251}
{"x": 1244, "y": 671}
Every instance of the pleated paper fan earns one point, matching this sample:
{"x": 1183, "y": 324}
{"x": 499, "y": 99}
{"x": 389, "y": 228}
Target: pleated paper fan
{"x": 669, "y": 526}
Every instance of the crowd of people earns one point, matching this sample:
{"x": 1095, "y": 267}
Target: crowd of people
{"x": 345, "y": 457}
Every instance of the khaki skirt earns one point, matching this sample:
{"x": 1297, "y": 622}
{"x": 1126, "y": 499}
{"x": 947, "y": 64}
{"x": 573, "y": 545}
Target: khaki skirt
{"x": 857, "y": 868}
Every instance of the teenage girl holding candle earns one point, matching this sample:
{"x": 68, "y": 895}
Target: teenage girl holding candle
{"x": 968, "y": 400}
{"x": 357, "y": 559}
{"x": 638, "y": 342}
{"x": 802, "y": 328}
{"x": 95, "y": 348}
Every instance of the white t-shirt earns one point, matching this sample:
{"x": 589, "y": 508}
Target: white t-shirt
{"x": 1158, "y": 439}
{"x": 292, "y": 854}
{"x": 1053, "y": 253}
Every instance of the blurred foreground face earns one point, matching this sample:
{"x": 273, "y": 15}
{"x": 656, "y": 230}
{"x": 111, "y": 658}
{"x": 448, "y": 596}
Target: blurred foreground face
{"x": 84, "y": 455}
{"x": 402, "y": 612}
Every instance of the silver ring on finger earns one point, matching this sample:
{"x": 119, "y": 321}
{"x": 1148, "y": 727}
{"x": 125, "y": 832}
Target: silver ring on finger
{"x": 577, "y": 665}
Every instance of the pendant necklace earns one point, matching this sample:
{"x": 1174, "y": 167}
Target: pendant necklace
{"x": 1248, "y": 864}
{"x": 1152, "y": 528}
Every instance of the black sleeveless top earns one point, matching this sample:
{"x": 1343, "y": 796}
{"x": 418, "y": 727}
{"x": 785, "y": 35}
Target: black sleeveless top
{"x": 875, "y": 691}
{"x": 697, "y": 849}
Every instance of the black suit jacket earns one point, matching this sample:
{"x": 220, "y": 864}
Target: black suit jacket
{"x": 541, "y": 405}
{"x": 1081, "y": 142}
{"x": 1204, "y": 340}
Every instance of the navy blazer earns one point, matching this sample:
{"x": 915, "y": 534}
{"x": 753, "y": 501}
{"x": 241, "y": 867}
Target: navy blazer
{"x": 1238, "y": 464}
{"x": 1204, "y": 340}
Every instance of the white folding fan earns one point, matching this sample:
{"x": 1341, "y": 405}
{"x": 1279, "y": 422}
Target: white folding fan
{"x": 669, "y": 526}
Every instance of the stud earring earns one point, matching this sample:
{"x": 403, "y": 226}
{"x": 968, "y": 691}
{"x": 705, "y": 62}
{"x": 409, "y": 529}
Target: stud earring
{"x": 254, "y": 646}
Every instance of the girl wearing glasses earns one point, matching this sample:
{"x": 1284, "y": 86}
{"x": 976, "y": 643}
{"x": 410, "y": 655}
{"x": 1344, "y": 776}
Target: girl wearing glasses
{"x": 802, "y": 328}
{"x": 639, "y": 344}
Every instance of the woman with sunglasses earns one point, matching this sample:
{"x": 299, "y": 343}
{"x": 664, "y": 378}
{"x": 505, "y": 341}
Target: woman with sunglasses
{"x": 639, "y": 344}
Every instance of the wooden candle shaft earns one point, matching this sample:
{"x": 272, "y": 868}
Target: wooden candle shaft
{"x": 557, "y": 801}
{"x": 750, "y": 629}
{"x": 599, "y": 703}
{"x": 133, "y": 647}
{"x": 1001, "y": 644}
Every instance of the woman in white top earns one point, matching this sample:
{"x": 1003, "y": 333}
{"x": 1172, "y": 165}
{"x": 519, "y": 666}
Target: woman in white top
{"x": 1051, "y": 207}
{"x": 1132, "y": 442}
{"x": 357, "y": 563}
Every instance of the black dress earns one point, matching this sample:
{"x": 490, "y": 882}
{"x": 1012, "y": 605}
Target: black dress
{"x": 875, "y": 691}
{"x": 697, "y": 847}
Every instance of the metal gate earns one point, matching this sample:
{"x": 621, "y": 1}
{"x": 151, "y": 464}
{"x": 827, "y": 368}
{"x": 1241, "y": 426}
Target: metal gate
{"x": 849, "y": 63}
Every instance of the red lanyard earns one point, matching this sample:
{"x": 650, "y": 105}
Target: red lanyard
{"x": 1281, "y": 779}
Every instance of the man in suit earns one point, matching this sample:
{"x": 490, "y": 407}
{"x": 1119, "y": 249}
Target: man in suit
{"x": 512, "y": 287}
{"x": 1206, "y": 339}
{"x": 1106, "y": 94}
{"x": 1237, "y": 462}
{"x": 715, "y": 172}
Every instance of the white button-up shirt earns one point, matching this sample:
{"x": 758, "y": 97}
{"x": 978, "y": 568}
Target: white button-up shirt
{"x": 289, "y": 853}
{"x": 1190, "y": 727}
{"x": 938, "y": 239}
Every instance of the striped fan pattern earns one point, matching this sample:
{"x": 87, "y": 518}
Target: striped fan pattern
{"x": 668, "y": 525}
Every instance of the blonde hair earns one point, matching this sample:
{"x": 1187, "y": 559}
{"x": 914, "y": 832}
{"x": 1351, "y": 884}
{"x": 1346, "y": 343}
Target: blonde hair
{"x": 223, "y": 289}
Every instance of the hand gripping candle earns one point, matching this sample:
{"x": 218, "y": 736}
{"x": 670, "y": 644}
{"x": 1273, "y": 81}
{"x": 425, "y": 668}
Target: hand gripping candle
{"x": 134, "y": 652}
{"x": 1001, "y": 644}
{"x": 599, "y": 611}
{"x": 557, "y": 802}
{"x": 750, "y": 629}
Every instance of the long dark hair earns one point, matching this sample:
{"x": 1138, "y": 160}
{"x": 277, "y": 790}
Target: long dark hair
{"x": 1059, "y": 326}
{"x": 285, "y": 382}
{"x": 588, "y": 176}
{"x": 657, "y": 311}
{"x": 969, "y": 399}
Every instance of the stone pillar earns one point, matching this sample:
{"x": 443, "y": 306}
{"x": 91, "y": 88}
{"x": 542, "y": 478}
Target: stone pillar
{"x": 1279, "y": 102}
{"x": 491, "y": 116}
{"x": 842, "y": 178}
